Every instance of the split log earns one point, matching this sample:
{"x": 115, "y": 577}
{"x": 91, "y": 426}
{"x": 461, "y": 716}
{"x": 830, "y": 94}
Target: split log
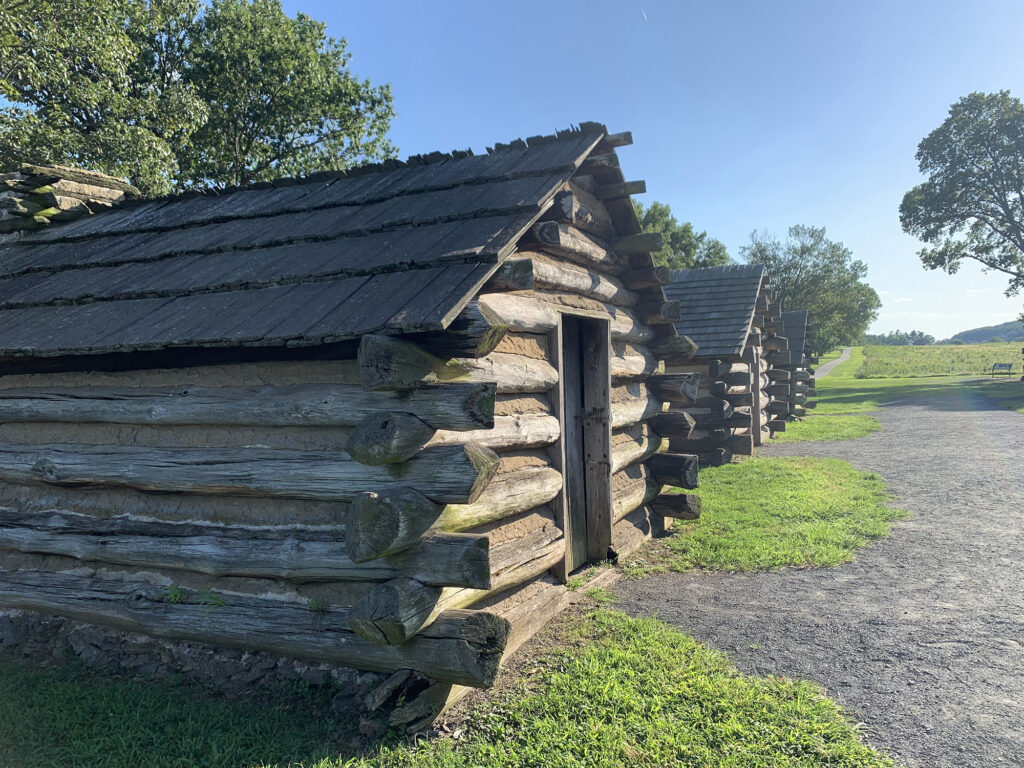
{"x": 471, "y": 334}
{"x": 519, "y": 432}
{"x": 455, "y": 406}
{"x": 389, "y": 438}
{"x": 658, "y": 312}
{"x": 513, "y": 374}
{"x": 673, "y": 424}
{"x": 633, "y": 445}
{"x": 460, "y": 646}
{"x": 379, "y": 524}
{"x": 681, "y": 506}
{"x": 620, "y": 189}
{"x": 509, "y": 493}
{"x": 552, "y": 275}
{"x": 675, "y": 387}
{"x": 568, "y": 242}
{"x": 715, "y": 457}
{"x": 674, "y": 348}
{"x": 296, "y": 554}
{"x": 456, "y": 474}
{"x": 648, "y": 277}
{"x": 675, "y": 469}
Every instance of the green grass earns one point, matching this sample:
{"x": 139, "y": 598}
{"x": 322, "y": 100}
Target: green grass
{"x": 770, "y": 513}
{"x": 616, "y": 692}
{"x": 1007, "y": 394}
{"x": 842, "y": 426}
{"x": 829, "y": 356}
{"x": 882, "y": 362}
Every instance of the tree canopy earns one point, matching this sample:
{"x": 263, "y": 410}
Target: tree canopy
{"x": 809, "y": 271}
{"x": 177, "y": 93}
{"x": 900, "y": 338}
{"x": 683, "y": 247}
{"x": 972, "y": 204}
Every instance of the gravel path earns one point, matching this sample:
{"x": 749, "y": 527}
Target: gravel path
{"x": 922, "y": 638}
{"x": 823, "y": 370}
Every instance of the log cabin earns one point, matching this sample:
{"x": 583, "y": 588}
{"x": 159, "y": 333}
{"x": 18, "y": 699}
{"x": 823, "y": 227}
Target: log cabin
{"x": 731, "y": 315}
{"x": 799, "y": 365}
{"x": 374, "y": 418}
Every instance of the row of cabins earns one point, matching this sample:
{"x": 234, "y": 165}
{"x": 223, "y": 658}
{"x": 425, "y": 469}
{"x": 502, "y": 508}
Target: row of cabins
{"x": 374, "y": 418}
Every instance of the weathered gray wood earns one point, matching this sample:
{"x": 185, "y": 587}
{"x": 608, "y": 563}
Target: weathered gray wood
{"x": 455, "y": 474}
{"x": 633, "y": 445}
{"x": 620, "y": 189}
{"x": 673, "y": 424}
{"x": 471, "y": 334}
{"x": 568, "y": 242}
{"x": 294, "y": 554}
{"x": 647, "y": 277}
{"x": 553, "y": 275}
{"x": 758, "y": 397}
{"x": 678, "y": 469}
{"x": 389, "y": 363}
{"x": 511, "y": 373}
{"x": 641, "y": 242}
{"x": 778, "y": 407}
{"x": 674, "y": 348}
{"x": 714, "y": 457}
{"x": 658, "y": 312}
{"x": 573, "y": 207}
{"x": 388, "y": 438}
{"x": 600, "y": 163}
{"x": 630, "y": 496}
{"x": 778, "y": 374}
{"x": 632, "y": 361}
{"x": 778, "y": 390}
{"x": 723, "y": 389}
{"x": 675, "y": 387}
{"x": 632, "y": 531}
{"x": 681, "y": 506}
{"x": 459, "y": 646}
{"x": 379, "y": 524}
{"x": 509, "y": 493}
{"x": 516, "y": 274}
{"x": 530, "y": 430}
{"x": 392, "y": 612}
{"x": 454, "y": 406}
{"x": 539, "y": 312}
{"x": 777, "y": 425}
{"x": 775, "y": 343}
{"x": 597, "y": 433}
{"x": 633, "y": 403}
{"x": 574, "y": 520}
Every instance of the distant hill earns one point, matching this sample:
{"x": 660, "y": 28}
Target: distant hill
{"x": 1011, "y": 331}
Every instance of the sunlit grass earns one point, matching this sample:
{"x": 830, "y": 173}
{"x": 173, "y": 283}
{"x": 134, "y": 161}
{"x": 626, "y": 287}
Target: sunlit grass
{"x": 882, "y": 362}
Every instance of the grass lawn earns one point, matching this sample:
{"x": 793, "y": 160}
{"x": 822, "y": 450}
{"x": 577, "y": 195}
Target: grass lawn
{"x": 611, "y": 692}
{"x": 770, "y": 513}
{"x": 829, "y": 356}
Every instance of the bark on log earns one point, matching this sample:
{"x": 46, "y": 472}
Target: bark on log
{"x": 531, "y": 430}
{"x": 455, "y": 406}
{"x": 379, "y": 524}
{"x": 293, "y": 554}
{"x": 678, "y": 469}
{"x": 675, "y": 387}
{"x": 471, "y": 334}
{"x": 389, "y": 438}
{"x": 568, "y": 242}
{"x": 509, "y": 493}
{"x": 680, "y": 506}
{"x": 462, "y": 647}
{"x": 389, "y": 363}
{"x": 456, "y": 474}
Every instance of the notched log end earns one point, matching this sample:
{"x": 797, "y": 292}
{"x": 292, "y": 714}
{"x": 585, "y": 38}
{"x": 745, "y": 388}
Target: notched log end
{"x": 379, "y": 524}
{"x": 388, "y": 438}
{"x": 485, "y": 462}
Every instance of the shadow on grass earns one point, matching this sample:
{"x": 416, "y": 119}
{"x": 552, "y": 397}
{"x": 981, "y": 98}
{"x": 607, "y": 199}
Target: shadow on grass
{"x": 953, "y": 393}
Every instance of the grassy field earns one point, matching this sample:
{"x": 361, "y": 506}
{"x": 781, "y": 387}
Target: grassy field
{"x": 769, "y": 513}
{"x": 953, "y": 360}
{"x": 609, "y": 691}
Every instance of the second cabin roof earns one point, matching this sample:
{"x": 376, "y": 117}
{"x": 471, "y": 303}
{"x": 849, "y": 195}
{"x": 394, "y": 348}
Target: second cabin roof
{"x": 795, "y": 323}
{"x": 716, "y": 306}
{"x": 395, "y": 248}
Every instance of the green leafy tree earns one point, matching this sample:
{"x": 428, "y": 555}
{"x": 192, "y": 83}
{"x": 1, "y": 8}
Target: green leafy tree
{"x": 173, "y": 93}
{"x": 683, "y": 247}
{"x": 972, "y": 204}
{"x": 899, "y": 338}
{"x": 809, "y": 271}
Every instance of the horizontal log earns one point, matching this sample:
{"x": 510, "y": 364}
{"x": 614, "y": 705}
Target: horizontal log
{"x": 620, "y": 189}
{"x": 512, "y": 275}
{"x": 379, "y": 524}
{"x": 776, "y": 358}
{"x": 295, "y": 554}
{"x": 388, "y": 438}
{"x": 632, "y": 403}
{"x": 673, "y": 424}
{"x": 470, "y": 334}
{"x": 778, "y": 407}
{"x": 641, "y": 242}
{"x": 680, "y": 506}
{"x": 459, "y": 647}
{"x": 777, "y": 425}
{"x": 809, "y": 405}
{"x": 677, "y": 469}
{"x": 568, "y": 242}
{"x": 734, "y": 378}
{"x": 454, "y": 406}
{"x": 675, "y": 387}
{"x": 722, "y": 389}
{"x": 632, "y": 488}
{"x": 455, "y": 474}
{"x": 647, "y": 277}
{"x": 775, "y": 343}
{"x": 513, "y": 374}
{"x": 632, "y": 531}
{"x": 754, "y": 339}
{"x": 389, "y": 363}
{"x": 633, "y": 445}
{"x": 714, "y": 457}
{"x": 745, "y": 398}
{"x": 540, "y": 312}
{"x": 632, "y": 361}
{"x": 599, "y": 163}
{"x": 674, "y": 348}
{"x": 519, "y": 432}
{"x": 778, "y": 390}
{"x": 581, "y": 210}
{"x": 658, "y": 312}
{"x": 712, "y": 433}
{"x": 802, "y": 376}
{"x": 779, "y": 374}
{"x": 552, "y": 275}
{"x": 508, "y": 493}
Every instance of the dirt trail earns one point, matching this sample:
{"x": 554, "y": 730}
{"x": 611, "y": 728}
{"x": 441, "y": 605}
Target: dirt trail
{"x": 922, "y": 638}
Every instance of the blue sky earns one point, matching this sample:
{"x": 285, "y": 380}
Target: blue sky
{"x": 745, "y": 115}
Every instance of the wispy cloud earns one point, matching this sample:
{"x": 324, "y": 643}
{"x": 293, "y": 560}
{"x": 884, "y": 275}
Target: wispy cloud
{"x": 900, "y": 300}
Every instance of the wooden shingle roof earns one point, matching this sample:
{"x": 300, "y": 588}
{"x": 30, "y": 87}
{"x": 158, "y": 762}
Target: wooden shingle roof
{"x": 796, "y": 331}
{"x": 716, "y": 306}
{"x": 393, "y": 248}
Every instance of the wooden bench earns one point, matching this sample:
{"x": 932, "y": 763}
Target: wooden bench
{"x": 1006, "y": 368}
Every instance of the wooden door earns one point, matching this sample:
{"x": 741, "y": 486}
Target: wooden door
{"x": 585, "y": 450}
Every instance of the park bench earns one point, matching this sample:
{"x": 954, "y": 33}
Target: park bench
{"x": 1006, "y": 368}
